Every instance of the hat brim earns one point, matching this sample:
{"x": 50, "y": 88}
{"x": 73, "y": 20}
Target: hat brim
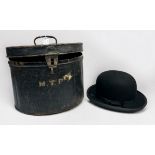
{"x": 137, "y": 104}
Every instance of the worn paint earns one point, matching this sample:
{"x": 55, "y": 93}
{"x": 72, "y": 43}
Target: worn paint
{"x": 50, "y": 86}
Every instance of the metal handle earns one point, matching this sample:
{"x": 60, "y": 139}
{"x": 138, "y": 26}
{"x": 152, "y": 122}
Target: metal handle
{"x": 45, "y": 37}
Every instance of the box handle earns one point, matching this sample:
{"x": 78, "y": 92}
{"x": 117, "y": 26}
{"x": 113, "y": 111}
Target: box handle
{"x": 52, "y": 37}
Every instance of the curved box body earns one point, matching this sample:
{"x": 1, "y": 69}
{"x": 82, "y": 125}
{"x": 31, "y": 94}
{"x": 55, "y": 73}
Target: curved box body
{"x": 40, "y": 89}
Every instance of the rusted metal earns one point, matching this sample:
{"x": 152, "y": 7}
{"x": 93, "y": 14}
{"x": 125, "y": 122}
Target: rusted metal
{"x": 46, "y": 79}
{"x": 52, "y": 61}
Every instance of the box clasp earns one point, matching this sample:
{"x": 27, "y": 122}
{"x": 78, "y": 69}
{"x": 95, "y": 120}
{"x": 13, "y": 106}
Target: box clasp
{"x": 52, "y": 62}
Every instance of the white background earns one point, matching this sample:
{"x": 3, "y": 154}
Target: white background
{"x": 129, "y": 51}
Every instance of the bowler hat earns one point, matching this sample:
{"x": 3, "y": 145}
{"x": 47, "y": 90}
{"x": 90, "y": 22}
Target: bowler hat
{"x": 117, "y": 91}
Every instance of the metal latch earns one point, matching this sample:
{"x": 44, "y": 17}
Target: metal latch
{"x": 52, "y": 61}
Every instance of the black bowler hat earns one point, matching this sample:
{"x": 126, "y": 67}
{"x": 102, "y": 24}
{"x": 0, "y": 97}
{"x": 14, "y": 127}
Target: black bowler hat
{"x": 117, "y": 91}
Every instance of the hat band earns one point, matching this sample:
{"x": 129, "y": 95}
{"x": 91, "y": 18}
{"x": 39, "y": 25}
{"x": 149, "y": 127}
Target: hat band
{"x": 112, "y": 102}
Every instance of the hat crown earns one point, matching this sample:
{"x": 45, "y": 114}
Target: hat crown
{"x": 116, "y": 85}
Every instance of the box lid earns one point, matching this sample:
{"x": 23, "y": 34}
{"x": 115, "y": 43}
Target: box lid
{"x": 38, "y": 50}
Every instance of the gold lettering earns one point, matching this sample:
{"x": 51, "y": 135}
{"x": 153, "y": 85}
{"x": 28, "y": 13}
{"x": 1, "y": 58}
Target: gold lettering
{"x": 60, "y": 81}
{"x": 67, "y": 77}
{"x": 42, "y": 83}
{"x": 52, "y": 82}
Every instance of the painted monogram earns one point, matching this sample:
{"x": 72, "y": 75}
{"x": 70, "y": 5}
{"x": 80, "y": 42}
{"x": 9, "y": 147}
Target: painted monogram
{"x": 66, "y": 77}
